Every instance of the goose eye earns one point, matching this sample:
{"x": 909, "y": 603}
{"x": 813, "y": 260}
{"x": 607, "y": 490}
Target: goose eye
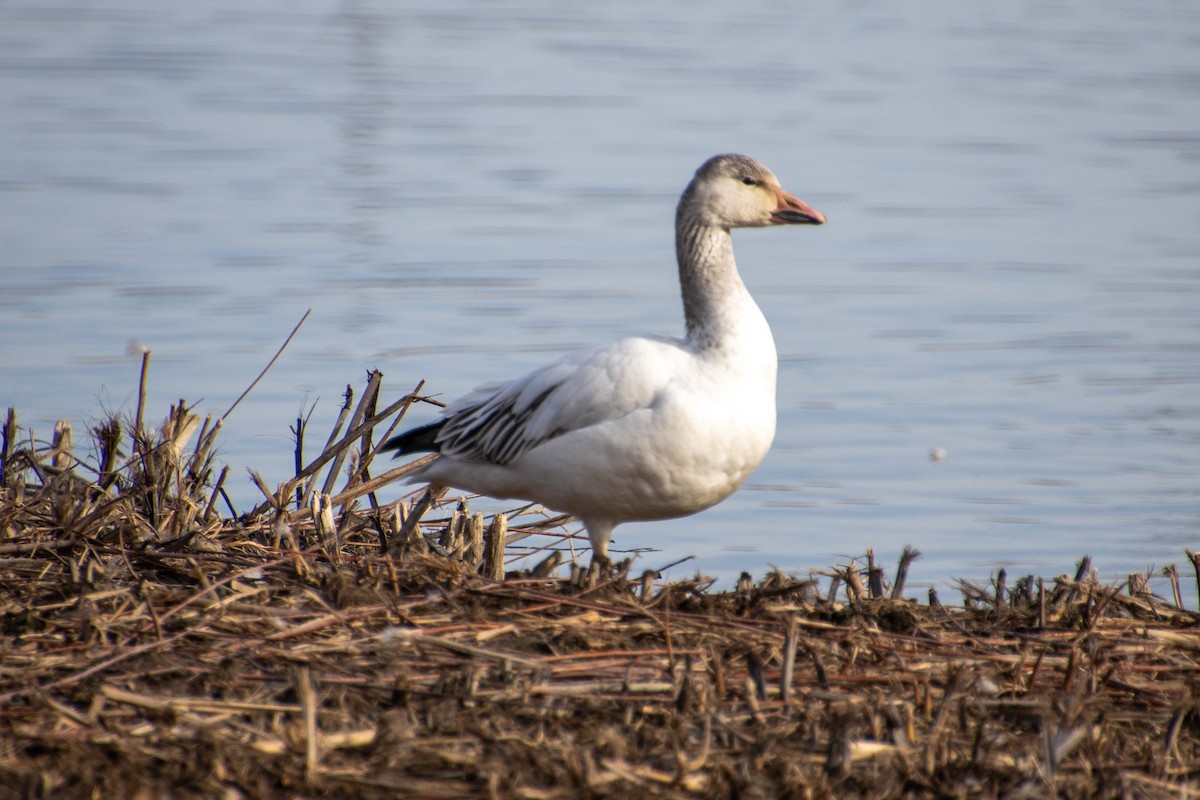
{"x": 749, "y": 181}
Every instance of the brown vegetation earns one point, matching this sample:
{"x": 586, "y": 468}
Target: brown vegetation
{"x": 153, "y": 647}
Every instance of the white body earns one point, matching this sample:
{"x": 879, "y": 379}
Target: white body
{"x": 644, "y": 428}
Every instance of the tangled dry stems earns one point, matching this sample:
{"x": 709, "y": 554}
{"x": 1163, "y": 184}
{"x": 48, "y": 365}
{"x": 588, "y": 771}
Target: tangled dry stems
{"x": 154, "y": 648}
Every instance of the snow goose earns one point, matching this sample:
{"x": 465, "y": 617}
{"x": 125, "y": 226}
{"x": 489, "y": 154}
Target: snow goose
{"x": 648, "y": 427}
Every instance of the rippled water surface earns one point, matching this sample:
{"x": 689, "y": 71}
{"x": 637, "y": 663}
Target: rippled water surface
{"x": 460, "y": 191}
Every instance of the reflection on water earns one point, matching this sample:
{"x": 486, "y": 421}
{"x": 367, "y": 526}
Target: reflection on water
{"x": 1011, "y": 270}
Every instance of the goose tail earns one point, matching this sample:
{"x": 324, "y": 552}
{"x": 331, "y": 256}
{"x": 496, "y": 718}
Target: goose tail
{"x": 417, "y": 440}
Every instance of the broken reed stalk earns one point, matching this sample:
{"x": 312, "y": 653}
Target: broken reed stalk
{"x": 366, "y": 450}
{"x": 343, "y": 413}
{"x": 493, "y": 555}
{"x": 60, "y": 446}
{"x": 138, "y": 430}
{"x": 298, "y": 433}
{"x": 1041, "y": 602}
{"x": 8, "y": 438}
{"x": 472, "y": 553}
{"x": 1171, "y": 573}
{"x": 908, "y": 555}
{"x": 216, "y": 492}
{"x": 107, "y": 436}
{"x": 854, "y": 586}
{"x": 789, "y": 663}
{"x": 1195, "y": 559}
{"x": 365, "y": 404}
{"x": 433, "y": 493}
{"x": 874, "y": 576}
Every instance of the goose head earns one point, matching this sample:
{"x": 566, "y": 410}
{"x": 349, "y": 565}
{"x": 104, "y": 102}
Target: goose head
{"x": 732, "y": 191}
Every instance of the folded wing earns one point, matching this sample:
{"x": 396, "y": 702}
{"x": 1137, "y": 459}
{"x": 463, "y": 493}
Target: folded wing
{"x": 498, "y": 422}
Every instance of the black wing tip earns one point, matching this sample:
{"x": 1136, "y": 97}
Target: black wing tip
{"x": 417, "y": 440}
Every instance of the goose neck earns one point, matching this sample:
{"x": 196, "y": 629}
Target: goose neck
{"x": 713, "y": 292}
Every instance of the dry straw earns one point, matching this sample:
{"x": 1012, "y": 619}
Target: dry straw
{"x": 325, "y": 644}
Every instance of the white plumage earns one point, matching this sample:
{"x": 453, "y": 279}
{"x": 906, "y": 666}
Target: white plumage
{"x": 647, "y": 427}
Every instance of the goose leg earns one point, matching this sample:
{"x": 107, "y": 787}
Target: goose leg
{"x": 600, "y": 534}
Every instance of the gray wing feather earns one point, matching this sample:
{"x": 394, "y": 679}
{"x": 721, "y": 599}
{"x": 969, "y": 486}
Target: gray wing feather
{"x": 498, "y": 422}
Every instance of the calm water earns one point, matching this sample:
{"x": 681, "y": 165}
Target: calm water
{"x": 460, "y": 191}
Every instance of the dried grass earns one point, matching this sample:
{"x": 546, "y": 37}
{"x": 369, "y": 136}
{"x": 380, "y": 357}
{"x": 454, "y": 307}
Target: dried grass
{"x": 153, "y": 647}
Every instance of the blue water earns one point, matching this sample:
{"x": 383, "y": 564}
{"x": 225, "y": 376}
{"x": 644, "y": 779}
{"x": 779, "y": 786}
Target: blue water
{"x": 1010, "y": 272}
